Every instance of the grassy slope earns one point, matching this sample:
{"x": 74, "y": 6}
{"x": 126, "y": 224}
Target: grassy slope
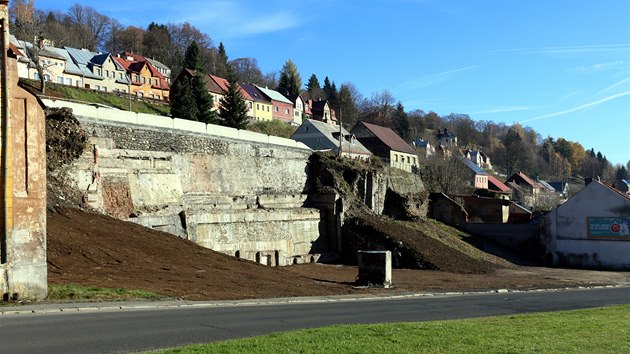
{"x": 600, "y": 330}
{"x": 105, "y": 98}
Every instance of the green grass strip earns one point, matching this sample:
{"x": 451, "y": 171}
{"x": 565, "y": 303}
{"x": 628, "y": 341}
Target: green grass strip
{"x": 600, "y": 330}
{"x": 92, "y": 293}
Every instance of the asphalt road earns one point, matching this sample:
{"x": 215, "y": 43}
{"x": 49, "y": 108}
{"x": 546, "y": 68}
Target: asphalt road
{"x": 142, "y": 328}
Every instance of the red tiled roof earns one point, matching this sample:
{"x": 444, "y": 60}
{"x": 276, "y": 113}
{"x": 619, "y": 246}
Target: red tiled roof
{"x": 225, "y": 86}
{"x": 498, "y": 184}
{"x": 389, "y": 138}
{"x": 123, "y": 62}
{"x": 528, "y": 180}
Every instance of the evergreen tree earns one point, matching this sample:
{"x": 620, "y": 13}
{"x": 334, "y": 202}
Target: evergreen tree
{"x": 621, "y": 173}
{"x": 182, "y": 100}
{"x": 193, "y": 59}
{"x": 348, "y": 106}
{"x": 190, "y": 98}
{"x": 401, "y": 121}
{"x": 233, "y": 109}
{"x": 222, "y": 66}
{"x": 290, "y": 81}
{"x": 313, "y": 83}
{"x": 327, "y": 87}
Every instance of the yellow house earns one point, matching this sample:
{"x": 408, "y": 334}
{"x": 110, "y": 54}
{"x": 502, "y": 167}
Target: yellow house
{"x": 114, "y": 75}
{"x": 146, "y": 80}
{"x": 262, "y": 108}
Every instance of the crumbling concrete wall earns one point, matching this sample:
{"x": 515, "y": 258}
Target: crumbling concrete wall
{"x": 23, "y": 272}
{"x": 447, "y": 210}
{"x": 239, "y": 197}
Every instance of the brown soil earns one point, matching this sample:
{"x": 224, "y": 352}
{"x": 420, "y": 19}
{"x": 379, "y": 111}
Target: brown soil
{"x": 92, "y": 249}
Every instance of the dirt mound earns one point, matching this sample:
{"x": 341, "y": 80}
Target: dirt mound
{"x": 412, "y": 248}
{"x": 96, "y": 250}
{"x": 65, "y": 142}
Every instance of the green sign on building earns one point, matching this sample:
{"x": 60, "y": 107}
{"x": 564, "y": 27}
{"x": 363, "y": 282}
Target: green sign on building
{"x": 608, "y": 227}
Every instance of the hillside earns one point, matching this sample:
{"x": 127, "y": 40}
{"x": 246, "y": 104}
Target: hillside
{"x": 91, "y": 249}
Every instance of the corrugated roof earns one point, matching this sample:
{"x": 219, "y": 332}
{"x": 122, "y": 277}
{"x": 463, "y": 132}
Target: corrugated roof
{"x": 255, "y": 93}
{"x": 472, "y": 166}
{"x": 498, "y": 184}
{"x": 274, "y": 95}
{"x": 225, "y": 86}
{"x": 546, "y": 185}
{"x": 330, "y": 133}
{"x": 82, "y": 57}
{"x": 389, "y": 138}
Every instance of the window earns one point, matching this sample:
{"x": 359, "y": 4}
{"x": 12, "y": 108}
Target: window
{"x": 257, "y": 106}
{"x": 267, "y": 108}
{"x": 36, "y": 76}
{"x": 97, "y": 87}
{"x": 143, "y": 79}
{"x": 107, "y": 73}
{"x": 275, "y": 108}
{"x": 46, "y": 77}
{"x": 68, "y": 81}
{"x": 59, "y": 80}
{"x": 286, "y": 111}
{"x": 105, "y": 88}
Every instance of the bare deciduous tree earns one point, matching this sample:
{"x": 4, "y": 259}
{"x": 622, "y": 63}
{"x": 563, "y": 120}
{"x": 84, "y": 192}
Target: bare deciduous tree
{"x": 448, "y": 175}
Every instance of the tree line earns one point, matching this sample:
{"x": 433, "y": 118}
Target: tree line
{"x": 511, "y": 147}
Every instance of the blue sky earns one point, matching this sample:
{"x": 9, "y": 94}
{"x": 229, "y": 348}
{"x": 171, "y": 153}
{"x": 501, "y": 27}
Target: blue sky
{"x": 561, "y": 67}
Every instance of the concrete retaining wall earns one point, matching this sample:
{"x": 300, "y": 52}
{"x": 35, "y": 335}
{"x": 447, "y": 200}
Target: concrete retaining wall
{"x": 240, "y": 194}
{"x": 513, "y": 236}
{"x": 100, "y": 112}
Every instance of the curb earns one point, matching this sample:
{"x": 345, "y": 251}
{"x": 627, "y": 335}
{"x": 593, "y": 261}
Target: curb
{"x": 53, "y": 308}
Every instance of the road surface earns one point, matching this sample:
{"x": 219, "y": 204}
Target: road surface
{"x": 146, "y": 326}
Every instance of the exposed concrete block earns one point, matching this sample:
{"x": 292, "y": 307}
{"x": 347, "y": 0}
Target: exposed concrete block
{"x": 281, "y": 141}
{"x": 184, "y": 124}
{"x": 156, "y": 121}
{"x": 375, "y": 268}
{"x": 253, "y": 136}
{"x": 218, "y": 130}
{"x": 117, "y": 115}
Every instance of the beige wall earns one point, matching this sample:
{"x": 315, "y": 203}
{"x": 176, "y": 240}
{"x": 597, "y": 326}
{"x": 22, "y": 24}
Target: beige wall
{"x": 403, "y": 160}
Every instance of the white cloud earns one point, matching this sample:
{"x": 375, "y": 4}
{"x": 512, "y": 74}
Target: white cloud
{"x": 598, "y": 67}
{"x": 578, "y": 49}
{"x": 578, "y": 108}
{"x": 605, "y": 90}
{"x": 433, "y": 79}
{"x": 502, "y": 110}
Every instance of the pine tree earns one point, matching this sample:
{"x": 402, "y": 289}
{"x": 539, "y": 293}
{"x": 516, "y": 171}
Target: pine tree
{"x": 401, "y": 121}
{"x": 190, "y": 98}
{"x": 192, "y": 58}
{"x": 222, "y": 69}
{"x": 313, "y": 83}
{"x": 233, "y": 109}
{"x": 182, "y": 100}
{"x": 290, "y": 81}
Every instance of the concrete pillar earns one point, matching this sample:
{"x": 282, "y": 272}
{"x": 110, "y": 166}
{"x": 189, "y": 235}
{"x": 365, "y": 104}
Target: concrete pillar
{"x": 375, "y": 268}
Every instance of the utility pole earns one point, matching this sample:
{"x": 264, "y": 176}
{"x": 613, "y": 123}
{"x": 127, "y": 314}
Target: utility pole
{"x": 340, "y": 133}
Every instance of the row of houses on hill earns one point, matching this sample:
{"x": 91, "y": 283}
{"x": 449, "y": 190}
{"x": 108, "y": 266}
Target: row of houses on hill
{"x": 125, "y": 72}
{"x": 131, "y": 73}
{"x": 265, "y": 104}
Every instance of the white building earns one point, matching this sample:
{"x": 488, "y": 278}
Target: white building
{"x": 591, "y": 229}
